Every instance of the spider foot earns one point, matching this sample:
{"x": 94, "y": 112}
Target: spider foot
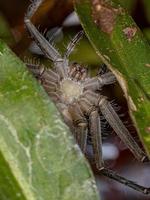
{"x": 113, "y": 175}
{"x": 145, "y": 159}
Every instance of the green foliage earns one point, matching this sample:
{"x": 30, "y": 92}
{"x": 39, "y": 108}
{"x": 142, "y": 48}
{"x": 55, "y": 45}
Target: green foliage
{"x": 146, "y": 4}
{"x": 127, "y": 4}
{"x": 5, "y": 33}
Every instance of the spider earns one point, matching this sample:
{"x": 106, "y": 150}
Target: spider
{"x": 79, "y": 100}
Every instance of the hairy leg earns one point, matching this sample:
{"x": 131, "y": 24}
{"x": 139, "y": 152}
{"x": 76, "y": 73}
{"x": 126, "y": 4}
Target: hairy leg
{"x": 44, "y": 45}
{"x": 113, "y": 119}
{"x": 115, "y": 122}
{"x": 73, "y": 43}
{"x": 95, "y": 130}
{"x": 36, "y": 70}
{"x": 113, "y": 175}
{"x": 96, "y": 83}
{"x": 48, "y": 49}
{"x": 48, "y": 77}
{"x": 80, "y": 124}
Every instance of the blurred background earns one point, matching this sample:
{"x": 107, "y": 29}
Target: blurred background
{"x": 57, "y": 21}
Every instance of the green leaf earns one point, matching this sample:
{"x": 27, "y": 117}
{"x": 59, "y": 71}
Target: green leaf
{"x": 38, "y": 156}
{"x": 127, "y": 4}
{"x": 146, "y": 32}
{"x": 5, "y": 32}
{"x": 123, "y": 48}
{"x": 146, "y": 4}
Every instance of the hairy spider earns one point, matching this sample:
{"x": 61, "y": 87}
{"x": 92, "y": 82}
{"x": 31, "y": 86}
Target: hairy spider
{"x": 80, "y": 101}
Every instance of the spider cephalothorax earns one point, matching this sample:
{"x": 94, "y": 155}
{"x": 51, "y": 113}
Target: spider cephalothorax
{"x": 77, "y": 96}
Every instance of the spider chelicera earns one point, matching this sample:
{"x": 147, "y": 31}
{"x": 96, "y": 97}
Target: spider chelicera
{"x": 79, "y": 100}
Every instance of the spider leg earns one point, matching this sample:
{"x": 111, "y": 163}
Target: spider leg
{"x": 73, "y": 43}
{"x": 82, "y": 135}
{"x": 107, "y": 78}
{"x": 71, "y": 47}
{"x": 113, "y": 175}
{"x": 111, "y": 116}
{"x": 36, "y": 70}
{"x": 45, "y": 46}
{"x": 54, "y": 96}
{"x": 95, "y": 130}
{"x": 50, "y": 87}
{"x": 47, "y": 76}
{"x": 80, "y": 123}
{"x": 115, "y": 122}
{"x": 50, "y": 76}
{"x": 98, "y": 82}
{"x": 63, "y": 110}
